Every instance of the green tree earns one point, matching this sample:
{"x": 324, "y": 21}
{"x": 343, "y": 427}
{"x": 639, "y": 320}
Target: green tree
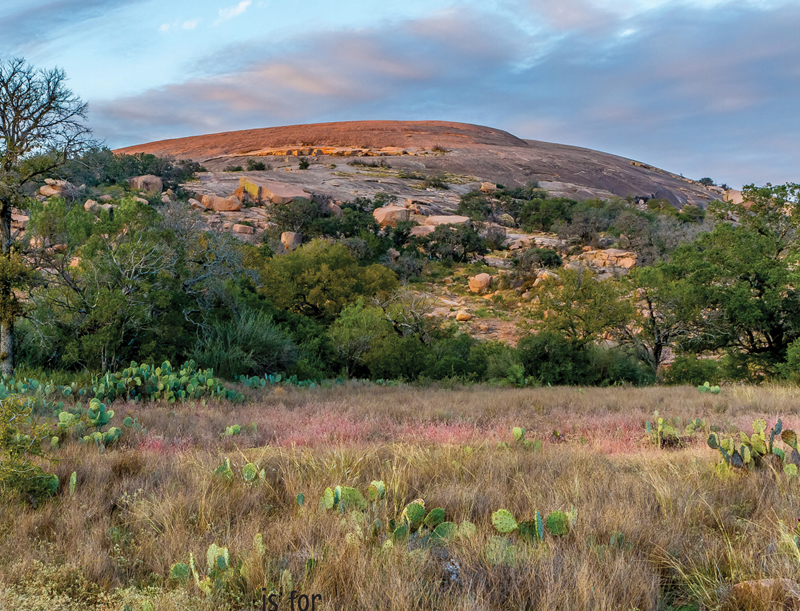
{"x": 41, "y": 127}
{"x": 665, "y": 308}
{"x": 577, "y": 306}
{"x": 319, "y": 279}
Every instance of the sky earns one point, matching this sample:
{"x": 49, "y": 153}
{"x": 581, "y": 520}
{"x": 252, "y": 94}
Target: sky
{"x": 702, "y": 88}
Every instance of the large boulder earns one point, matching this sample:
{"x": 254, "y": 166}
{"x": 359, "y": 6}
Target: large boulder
{"x": 446, "y": 220}
{"x": 263, "y": 191}
{"x": 91, "y": 206}
{"x": 390, "y": 215}
{"x": 245, "y": 229}
{"x": 221, "y": 204}
{"x": 291, "y": 240}
{"x": 480, "y": 283}
{"x": 148, "y": 183}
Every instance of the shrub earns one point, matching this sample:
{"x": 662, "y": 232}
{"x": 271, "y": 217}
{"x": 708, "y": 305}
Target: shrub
{"x": 256, "y": 166}
{"x": 303, "y": 163}
{"x": 21, "y": 440}
{"x": 233, "y": 168}
{"x": 553, "y": 359}
{"x": 693, "y": 371}
{"x": 458, "y": 243}
{"x": 249, "y": 344}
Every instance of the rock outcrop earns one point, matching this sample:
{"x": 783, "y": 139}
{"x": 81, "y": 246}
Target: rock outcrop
{"x": 390, "y": 215}
{"x": 480, "y": 283}
{"x": 147, "y": 183}
{"x": 271, "y": 191}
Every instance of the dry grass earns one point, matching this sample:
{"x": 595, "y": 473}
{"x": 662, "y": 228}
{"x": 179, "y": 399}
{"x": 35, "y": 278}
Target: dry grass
{"x": 147, "y": 504}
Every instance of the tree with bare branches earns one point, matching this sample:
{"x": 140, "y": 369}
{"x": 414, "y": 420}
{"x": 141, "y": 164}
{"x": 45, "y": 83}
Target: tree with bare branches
{"x": 41, "y": 127}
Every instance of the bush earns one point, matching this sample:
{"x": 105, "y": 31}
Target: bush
{"x": 303, "y": 163}
{"x": 249, "y": 344}
{"x": 21, "y": 440}
{"x": 233, "y": 168}
{"x": 533, "y": 259}
{"x": 457, "y": 243}
{"x": 613, "y": 366}
{"x": 256, "y": 166}
{"x": 552, "y": 359}
{"x": 693, "y": 371}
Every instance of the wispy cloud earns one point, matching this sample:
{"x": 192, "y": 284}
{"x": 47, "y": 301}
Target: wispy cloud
{"x": 186, "y": 25}
{"x": 232, "y": 11}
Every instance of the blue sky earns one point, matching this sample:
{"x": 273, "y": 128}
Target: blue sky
{"x": 702, "y": 88}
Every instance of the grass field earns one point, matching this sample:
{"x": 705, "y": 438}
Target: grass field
{"x": 683, "y": 533}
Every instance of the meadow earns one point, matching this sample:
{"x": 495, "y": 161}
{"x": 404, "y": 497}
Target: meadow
{"x": 646, "y": 528}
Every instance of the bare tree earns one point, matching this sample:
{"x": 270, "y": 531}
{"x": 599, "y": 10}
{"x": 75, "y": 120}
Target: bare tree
{"x": 41, "y": 127}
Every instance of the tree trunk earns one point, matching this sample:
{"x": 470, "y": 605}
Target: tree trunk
{"x": 6, "y": 295}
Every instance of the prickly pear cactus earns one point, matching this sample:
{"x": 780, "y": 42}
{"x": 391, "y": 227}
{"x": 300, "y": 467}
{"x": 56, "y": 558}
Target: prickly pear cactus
{"x": 558, "y": 523}
{"x": 504, "y": 521}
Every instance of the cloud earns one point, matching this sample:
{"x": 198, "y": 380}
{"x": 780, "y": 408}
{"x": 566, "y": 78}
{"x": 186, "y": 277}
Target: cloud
{"x": 36, "y": 22}
{"x": 698, "y": 92}
{"x": 191, "y": 24}
{"x": 233, "y": 11}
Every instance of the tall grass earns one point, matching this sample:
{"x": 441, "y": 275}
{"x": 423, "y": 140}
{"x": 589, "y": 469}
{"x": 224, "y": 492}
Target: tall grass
{"x": 690, "y": 535}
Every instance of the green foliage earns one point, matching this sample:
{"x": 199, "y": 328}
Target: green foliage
{"x": 22, "y": 450}
{"x": 303, "y": 165}
{"x": 248, "y": 344}
{"x": 690, "y": 370}
{"x": 581, "y": 308}
{"x": 319, "y": 279}
{"x": 453, "y": 243}
{"x": 255, "y": 166}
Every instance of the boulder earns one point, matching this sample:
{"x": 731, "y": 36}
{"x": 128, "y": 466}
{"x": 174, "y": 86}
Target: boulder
{"x": 446, "y": 220}
{"x": 390, "y": 215}
{"x": 488, "y": 187}
{"x": 422, "y": 230}
{"x": 237, "y": 228}
{"x": 50, "y": 191}
{"x": 243, "y": 196}
{"x": 463, "y": 316}
{"x": 627, "y": 262}
{"x": 105, "y": 198}
{"x": 480, "y": 283}
{"x": 196, "y": 205}
{"x": 262, "y": 190}
{"x": 394, "y": 255}
{"x": 291, "y": 240}
{"x": 148, "y": 183}
{"x": 91, "y": 206}
{"x": 333, "y": 209}
{"x": 221, "y": 204}
{"x": 141, "y": 200}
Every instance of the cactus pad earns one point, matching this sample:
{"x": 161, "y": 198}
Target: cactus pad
{"x": 558, "y": 523}
{"x": 434, "y": 517}
{"x": 504, "y": 521}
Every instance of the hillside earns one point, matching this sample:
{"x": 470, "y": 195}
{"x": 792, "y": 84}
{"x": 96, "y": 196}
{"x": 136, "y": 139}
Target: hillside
{"x": 475, "y": 152}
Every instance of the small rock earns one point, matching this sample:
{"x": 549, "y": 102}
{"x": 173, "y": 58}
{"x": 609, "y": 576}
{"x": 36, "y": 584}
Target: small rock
{"x": 221, "y": 204}
{"x": 488, "y": 187}
{"x": 105, "y": 198}
{"x": 463, "y": 316}
{"x": 237, "y": 228}
{"x": 394, "y": 255}
{"x": 196, "y": 205}
{"x": 422, "y": 230}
